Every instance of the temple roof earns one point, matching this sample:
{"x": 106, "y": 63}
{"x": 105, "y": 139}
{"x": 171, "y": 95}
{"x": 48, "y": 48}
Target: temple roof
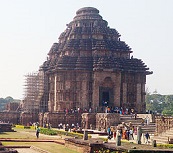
{"x": 88, "y": 43}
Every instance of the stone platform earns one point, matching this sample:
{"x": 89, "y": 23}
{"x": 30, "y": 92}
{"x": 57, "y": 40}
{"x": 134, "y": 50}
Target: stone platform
{"x": 91, "y": 145}
{"x": 6, "y": 127}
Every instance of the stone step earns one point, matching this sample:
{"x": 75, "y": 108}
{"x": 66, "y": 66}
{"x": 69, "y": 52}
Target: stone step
{"x": 132, "y": 121}
{"x": 137, "y": 122}
{"x": 170, "y": 135}
{"x": 128, "y": 117}
{"x": 148, "y": 130}
{"x": 164, "y": 137}
{"x": 160, "y": 141}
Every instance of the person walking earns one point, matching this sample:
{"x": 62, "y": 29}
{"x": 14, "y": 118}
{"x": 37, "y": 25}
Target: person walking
{"x": 147, "y": 136}
{"x": 37, "y": 132}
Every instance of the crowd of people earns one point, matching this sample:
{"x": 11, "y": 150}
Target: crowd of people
{"x": 104, "y": 109}
{"x": 73, "y": 127}
{"x": 126, "y": 132}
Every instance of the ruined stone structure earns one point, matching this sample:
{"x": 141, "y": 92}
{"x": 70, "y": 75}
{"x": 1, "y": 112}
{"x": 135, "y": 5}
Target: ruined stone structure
{"x": 163, "y": 123}
{"x": 10, "y": 117}
{"x": 90, "y": 65}
{"x": 12, "y": 106}
{"x": 6, "y": 127}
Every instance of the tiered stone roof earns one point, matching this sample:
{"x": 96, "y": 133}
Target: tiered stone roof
{"x": 88, "y": 43}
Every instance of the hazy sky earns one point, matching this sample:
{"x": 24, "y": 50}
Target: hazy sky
{"x": 28, "y": 28}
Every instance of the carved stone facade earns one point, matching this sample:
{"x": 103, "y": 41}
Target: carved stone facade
{"x": 163, "y": 123}
{"x": 105, "y": 120}
{"x": 90, "y": 65}
{"x": 88, "y": 121}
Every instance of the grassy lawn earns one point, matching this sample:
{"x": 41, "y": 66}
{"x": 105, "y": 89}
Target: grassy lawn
{"x": 48, "y": 146}
{"x": 19, "y": 134}
{"x": 30, "y": 134}
{"x": 25, "y": 134}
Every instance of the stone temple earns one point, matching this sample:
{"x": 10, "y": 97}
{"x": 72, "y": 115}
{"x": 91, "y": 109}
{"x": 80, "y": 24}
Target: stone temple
{"x": 90, "y": 68}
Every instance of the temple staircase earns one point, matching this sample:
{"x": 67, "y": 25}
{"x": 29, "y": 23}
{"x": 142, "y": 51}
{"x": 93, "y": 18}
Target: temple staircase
{"x": 164, "y": 137}
{"x": 128, "y": 119}
{"x": 161, "y": 138}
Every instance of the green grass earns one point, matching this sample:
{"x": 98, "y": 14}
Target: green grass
{"x": 18, "y": 135}
{"x": 30, "y": 134}
{"x": 24, "y": 134}
{"x": 48, "y": 146}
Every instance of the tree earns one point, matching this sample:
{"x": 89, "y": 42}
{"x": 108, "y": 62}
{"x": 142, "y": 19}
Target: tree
{"x": 159, "y": 103}
{"x": 9, "y": 99}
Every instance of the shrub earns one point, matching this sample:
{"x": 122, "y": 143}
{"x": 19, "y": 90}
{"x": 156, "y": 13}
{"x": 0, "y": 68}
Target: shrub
{"x": 165, "y": 145}
{"x": 22, "y": 127}
{"x": 48, "y": 131}
{"x": 71, "y": 134}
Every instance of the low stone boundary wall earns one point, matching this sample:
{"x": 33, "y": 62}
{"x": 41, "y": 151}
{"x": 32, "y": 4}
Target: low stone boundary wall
{"x": 96, "y": 145}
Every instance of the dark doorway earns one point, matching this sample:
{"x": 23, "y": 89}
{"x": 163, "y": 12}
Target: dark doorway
{"x": 105, "y": 96}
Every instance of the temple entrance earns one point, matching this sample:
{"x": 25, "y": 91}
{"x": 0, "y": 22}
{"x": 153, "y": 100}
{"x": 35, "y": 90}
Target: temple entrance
{"x": 105, "y": 96}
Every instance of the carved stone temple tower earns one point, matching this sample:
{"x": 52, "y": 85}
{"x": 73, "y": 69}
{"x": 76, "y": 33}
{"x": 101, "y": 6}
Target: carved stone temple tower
{"x": 90, "y": 67}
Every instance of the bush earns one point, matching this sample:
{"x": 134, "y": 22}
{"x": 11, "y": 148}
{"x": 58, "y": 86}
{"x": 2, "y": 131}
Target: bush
{"x": 22, "y": 127}
{"x": 71, "y": 134}
{"x": 48, "y": 131}
{"x": 55, "y": 132}
{"x": 165, "y": 145}
{"x": 27, "y": 127}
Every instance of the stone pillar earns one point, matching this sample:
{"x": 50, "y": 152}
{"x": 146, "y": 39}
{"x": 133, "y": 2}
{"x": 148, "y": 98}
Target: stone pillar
{"x": 125, "y": 94}
{"x": 85, "y": 135}
{"x": 139, "y": 134}
{"x": 118, "y": 138}
{"x": 138, "y": 97}
{"x": 95, "y": 95}
{"x": 55, "y": 102}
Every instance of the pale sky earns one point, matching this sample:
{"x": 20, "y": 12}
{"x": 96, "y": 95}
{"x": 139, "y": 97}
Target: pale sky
{"x": 28, "y": 28}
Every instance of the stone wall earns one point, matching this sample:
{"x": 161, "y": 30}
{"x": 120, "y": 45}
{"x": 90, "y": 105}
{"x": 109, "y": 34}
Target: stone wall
{"x": 163, "y": 123}
{"x": 79, "y": 147}
{"x": 24, "y": 118}
{"x": 56, "y": 118}
{"x": 27, "y": 118}
{"x": 105, "y": 120}
{"x": 6, "y": 127}
{"x": 10, "y": 117}
{"x": 88, "y": 121}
